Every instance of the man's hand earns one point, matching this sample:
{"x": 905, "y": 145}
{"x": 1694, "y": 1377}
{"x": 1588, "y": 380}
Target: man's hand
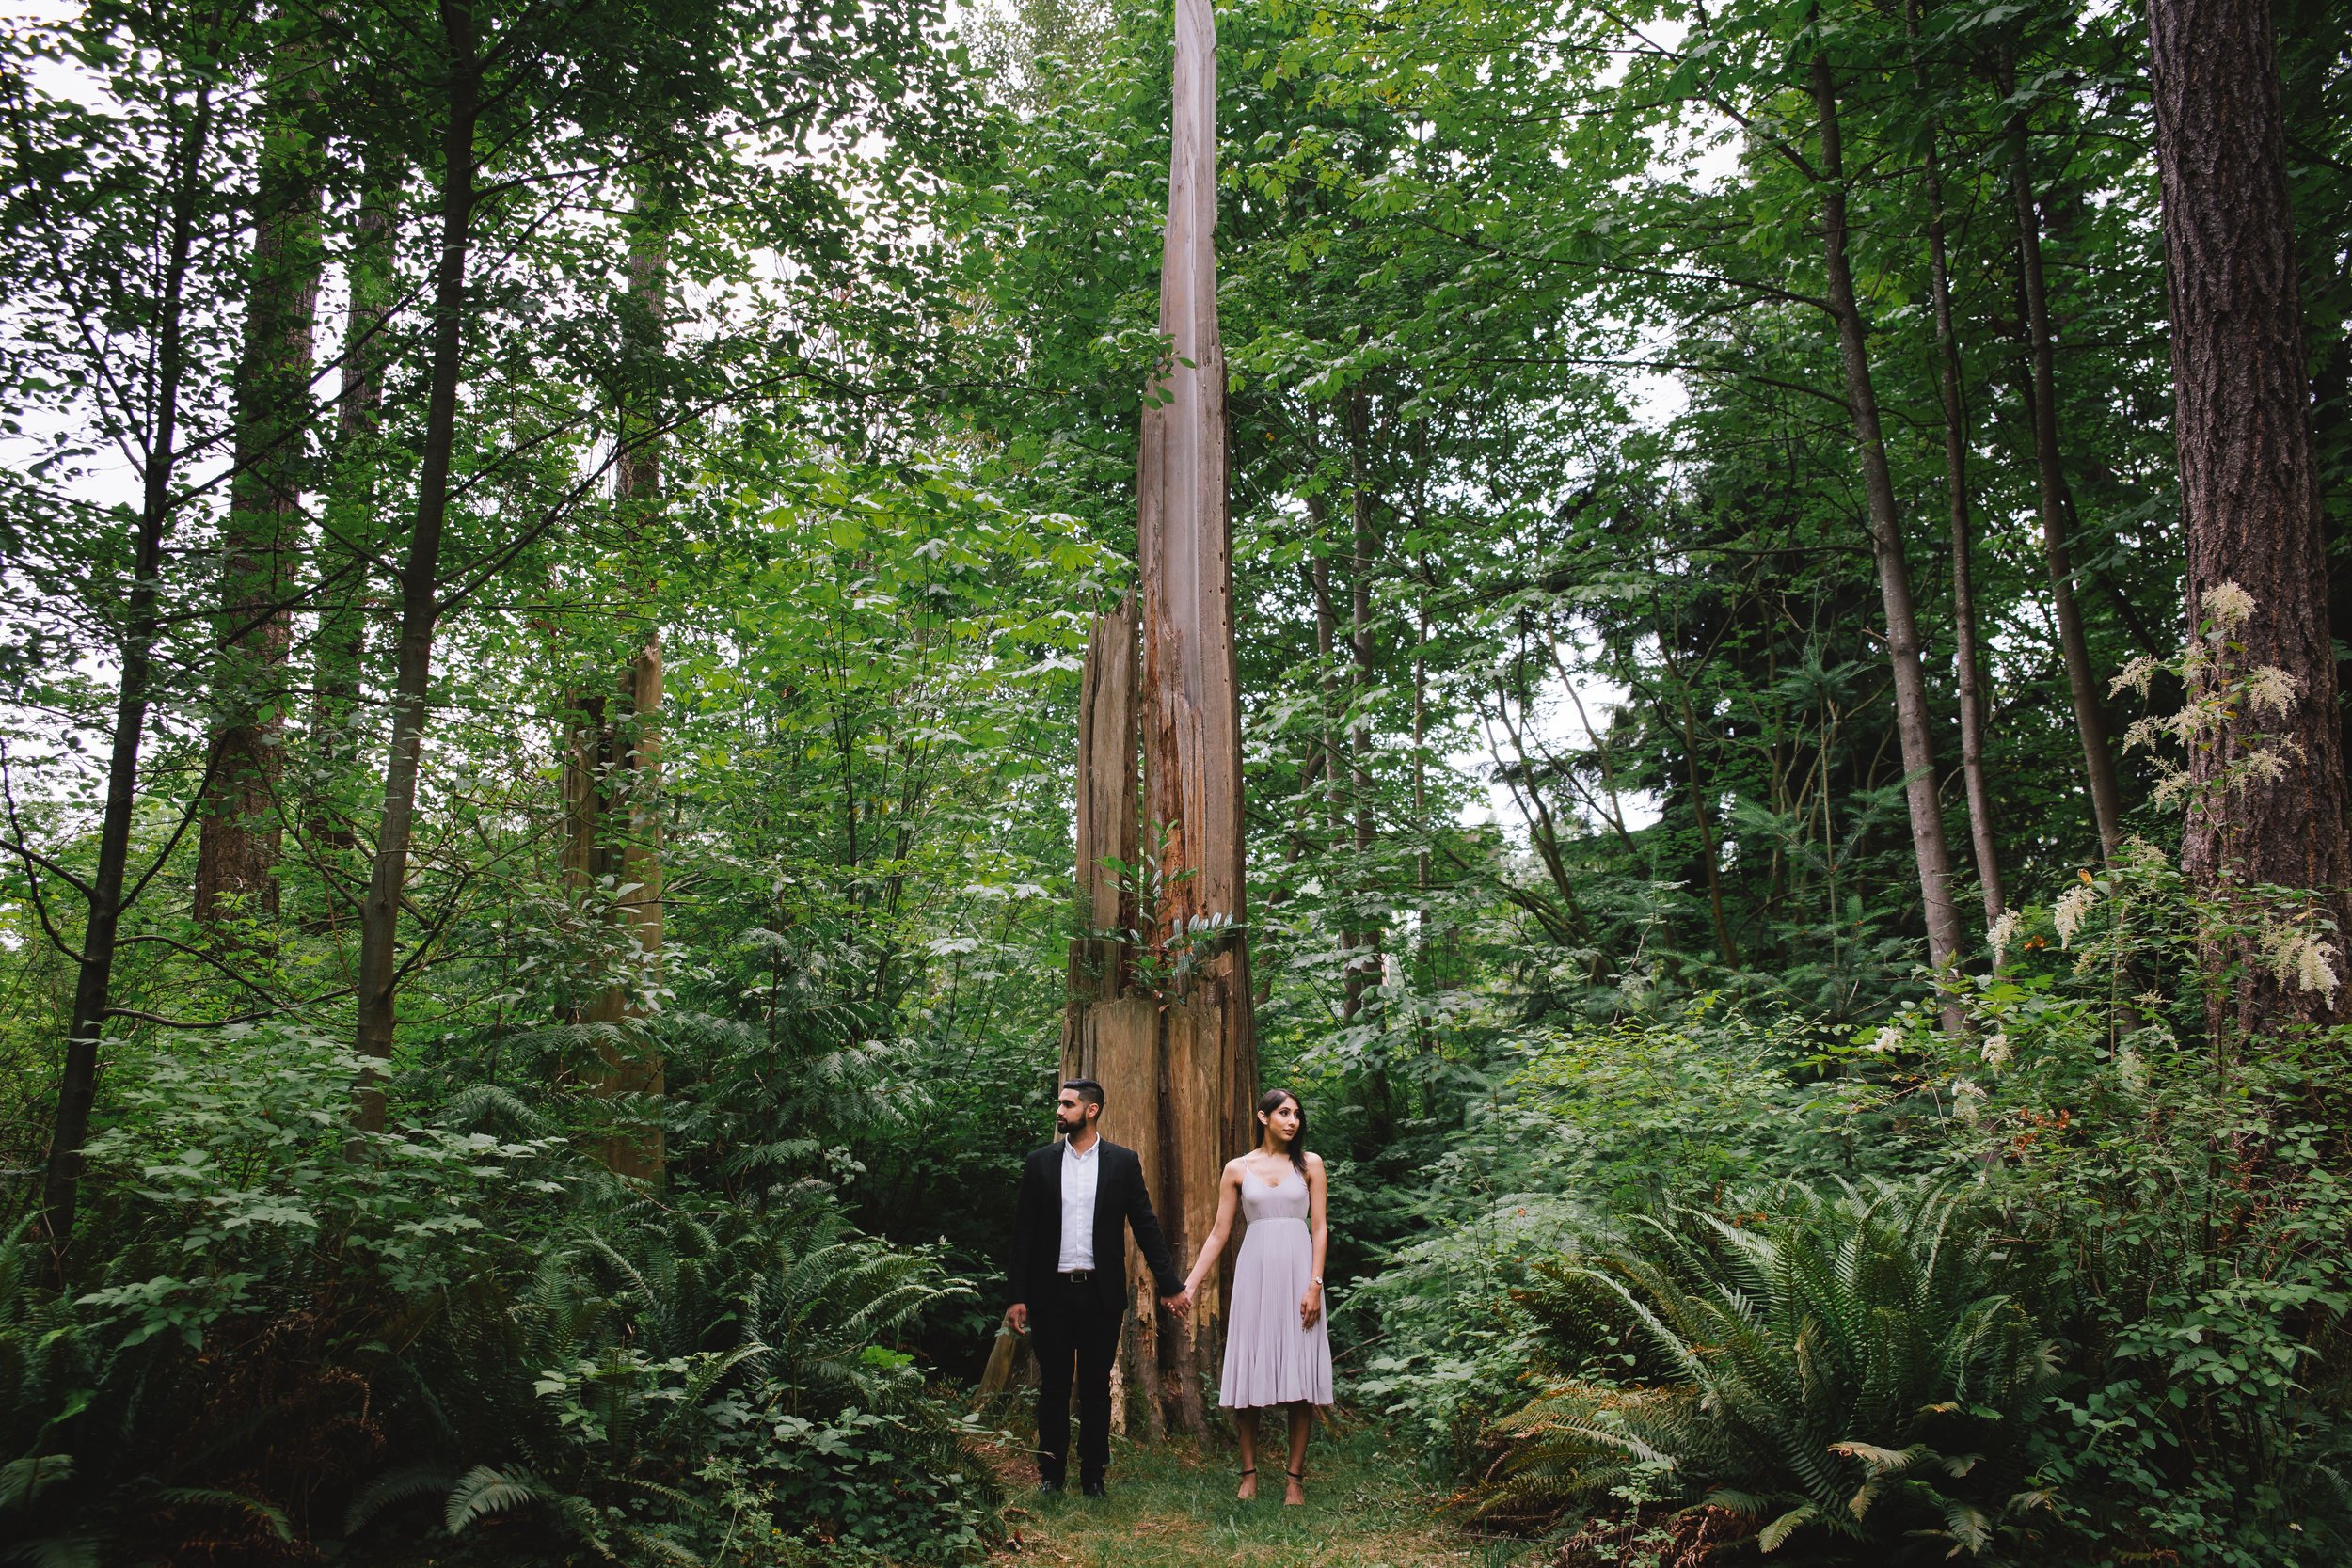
{"x": 1179, "y": 1303}
{"x": 1018, "y": 1315}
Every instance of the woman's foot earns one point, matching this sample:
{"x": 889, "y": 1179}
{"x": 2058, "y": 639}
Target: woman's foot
{"x": 1295, "y": 1492}
{"x": 1248, "y": 1487}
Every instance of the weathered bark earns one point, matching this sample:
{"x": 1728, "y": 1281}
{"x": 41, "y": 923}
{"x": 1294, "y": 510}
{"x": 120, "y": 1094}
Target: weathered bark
{"x": 351, "y": 490}
{"x": 2249, "y": 493}
{"x": 614, "y": 761}
{"x": 239, "y": 831}
{"x": 1101, "y": 967}
{"x": 2082, "y": 680}
{"x": 1179, "y": 1068}
{"x": 77, "y": 1079}
{"x": 1967, "y": 659}
{"x": 419, "y": 574}
{"x": 1929, "y": 850}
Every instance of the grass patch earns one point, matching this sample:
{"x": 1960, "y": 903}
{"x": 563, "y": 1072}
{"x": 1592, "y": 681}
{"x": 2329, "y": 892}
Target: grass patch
{"x": 1174, "y": 1507}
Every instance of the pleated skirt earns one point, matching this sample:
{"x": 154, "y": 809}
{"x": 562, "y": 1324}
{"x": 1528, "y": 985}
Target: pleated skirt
{"x": 1268, "y": 1359}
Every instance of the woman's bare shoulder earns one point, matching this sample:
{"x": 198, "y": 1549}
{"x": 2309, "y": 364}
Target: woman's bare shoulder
{"x": 1315, "y": 1161}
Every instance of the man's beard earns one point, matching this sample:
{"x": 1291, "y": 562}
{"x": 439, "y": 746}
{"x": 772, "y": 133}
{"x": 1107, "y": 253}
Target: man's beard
{"x": 1070, "y": 1128}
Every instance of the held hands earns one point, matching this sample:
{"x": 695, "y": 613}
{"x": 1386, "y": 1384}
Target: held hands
{"x": 1310, "y": 1307}
{"x": 1179, "y": 1303}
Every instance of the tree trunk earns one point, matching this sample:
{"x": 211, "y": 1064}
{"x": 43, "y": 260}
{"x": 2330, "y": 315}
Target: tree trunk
{"x": 239, "y": 831}
{"x": 348, "y": 534}
{"x": 1179, "y": 1061}
{"x": 1362, "y": 944}
{"x": 615, "y": 819}
{"x": 1966, "y": 657}
{"x": 2082, "y": 681}
{"x": 77, "y": 1080}
{"x": 420, "y": 576}
{"x": 2249, "y": 493}
{"x": 1886, "y": 541}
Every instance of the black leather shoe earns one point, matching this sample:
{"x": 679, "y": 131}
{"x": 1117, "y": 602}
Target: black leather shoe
{"x": 1094, "y": 1489}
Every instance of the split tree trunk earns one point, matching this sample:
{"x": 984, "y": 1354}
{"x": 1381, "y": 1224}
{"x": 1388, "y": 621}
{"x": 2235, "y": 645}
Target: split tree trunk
{"x": 2082, "y": 680}
{"x": 77, "y": 1079}
{"x": 1178, "y": 1058}
{"x": 239, "y": 831}
{"x": 2249, "y": 492}
{"x": 1928, "y": 850}
{"x": 613, "y": 759}
{"x": 1967, "y": 659}
{"x": 419, "y": 574}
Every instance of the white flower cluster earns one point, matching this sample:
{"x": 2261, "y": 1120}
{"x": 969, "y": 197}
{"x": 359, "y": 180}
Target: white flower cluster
{"x": 2132, "y": 1070}
{"x": 1888, "y": 1038}
{"x": 2301, "y": 956}
{"x": 2067, "y": 914}
{"x": 2002, "y": 933}
{"x": 2228, "y": 606}
{"x": 1997, "y": 1050}
{"x": 2271, "y": 689}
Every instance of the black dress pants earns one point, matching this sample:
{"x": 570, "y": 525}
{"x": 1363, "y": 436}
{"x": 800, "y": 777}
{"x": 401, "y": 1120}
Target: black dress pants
{"x": 1073, "y": 1331}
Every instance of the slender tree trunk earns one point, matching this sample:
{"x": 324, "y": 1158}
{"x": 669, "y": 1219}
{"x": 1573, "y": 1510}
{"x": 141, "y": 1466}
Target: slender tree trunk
{"x": 348, "y": 531}
{"x": 1887, "y": 541}
{"x": 1967, "y": 657}
{"x": 419, "y": 577}
{"x": 1327, "y": 643}
{"x": 77, "y": 1080}
{"x": 1362, "y": 943}
{"x": 239, "y": 829}
{"x": 2249, "y": 492}
{"x": 2082, "y": 680}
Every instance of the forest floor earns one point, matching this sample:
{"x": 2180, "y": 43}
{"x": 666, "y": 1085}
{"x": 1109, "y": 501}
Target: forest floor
{"x": 1174, "y": 1507}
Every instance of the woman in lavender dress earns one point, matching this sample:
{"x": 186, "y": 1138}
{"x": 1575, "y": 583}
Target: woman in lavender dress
{"x": 1278, "y": 1348}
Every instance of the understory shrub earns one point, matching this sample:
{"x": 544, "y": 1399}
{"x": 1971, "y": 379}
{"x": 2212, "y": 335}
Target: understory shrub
{"x": 2091, "y": 1310}
{"x": 278, "y": 1335}
{"x": 1859, "y": 1364}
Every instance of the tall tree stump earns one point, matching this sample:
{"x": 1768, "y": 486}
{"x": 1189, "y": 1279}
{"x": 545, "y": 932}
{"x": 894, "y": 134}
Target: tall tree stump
{"x": 1160, "y": 1013}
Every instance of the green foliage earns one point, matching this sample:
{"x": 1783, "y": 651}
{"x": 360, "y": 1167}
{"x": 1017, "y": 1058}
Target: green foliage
{"x": 1860, "y": 1363}
{"x": 433, "y": 1328}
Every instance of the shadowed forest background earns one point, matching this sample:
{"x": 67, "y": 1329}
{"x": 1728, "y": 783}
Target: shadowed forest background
{"x": 547, "y": 557}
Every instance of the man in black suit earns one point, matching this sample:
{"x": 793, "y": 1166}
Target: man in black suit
{"x": 1079, "y": 1196}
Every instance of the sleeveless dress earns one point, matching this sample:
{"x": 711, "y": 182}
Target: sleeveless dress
{"x": 1268, "y": 1359}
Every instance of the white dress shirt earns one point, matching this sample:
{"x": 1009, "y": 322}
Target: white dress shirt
{"x": 1081, "y": 1174}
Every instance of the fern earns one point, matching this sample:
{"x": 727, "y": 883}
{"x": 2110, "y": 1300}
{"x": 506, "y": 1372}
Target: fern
{"x": 1858, "y": 1367}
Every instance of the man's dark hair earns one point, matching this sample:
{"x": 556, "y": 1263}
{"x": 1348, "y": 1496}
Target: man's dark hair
{"x": 1089, "y": 1091}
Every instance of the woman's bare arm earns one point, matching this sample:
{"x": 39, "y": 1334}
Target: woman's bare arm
{"x": 1228, "y": 1194}
{"x": 1311, "y": 1305}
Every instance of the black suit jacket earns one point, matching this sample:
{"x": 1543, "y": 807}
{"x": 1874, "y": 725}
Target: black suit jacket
{"x": 1122, "y": 1201}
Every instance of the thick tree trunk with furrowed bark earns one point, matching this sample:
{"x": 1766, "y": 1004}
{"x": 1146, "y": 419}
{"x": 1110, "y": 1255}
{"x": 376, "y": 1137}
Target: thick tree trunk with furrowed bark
{"x": 2249, "y": 494}
{"x": 239, "y": 831}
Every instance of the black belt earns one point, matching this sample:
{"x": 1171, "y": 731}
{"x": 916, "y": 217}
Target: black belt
{"x": 1076, "y": 1277}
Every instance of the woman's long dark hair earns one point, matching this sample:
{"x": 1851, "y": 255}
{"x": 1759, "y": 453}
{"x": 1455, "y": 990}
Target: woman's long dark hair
{"x": 1268, "y": 1104}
